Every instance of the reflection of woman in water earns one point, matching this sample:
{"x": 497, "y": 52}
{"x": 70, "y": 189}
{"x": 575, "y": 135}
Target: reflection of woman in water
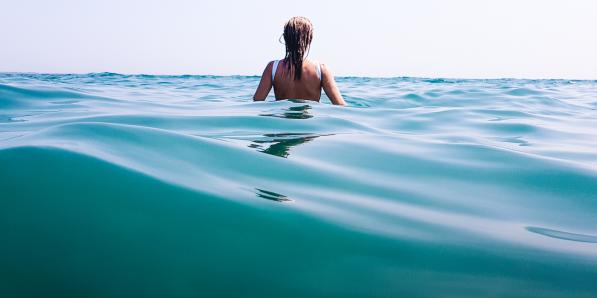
{"x": 295, "y": 76}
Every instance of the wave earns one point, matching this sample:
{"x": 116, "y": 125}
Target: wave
{"x": 18, "y": 98}
{"x": 225, "y": 169}
{"x": 92, "y": 208}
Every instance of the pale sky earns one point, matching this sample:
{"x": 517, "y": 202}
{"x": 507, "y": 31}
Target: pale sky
{"x": 423, "y": 38}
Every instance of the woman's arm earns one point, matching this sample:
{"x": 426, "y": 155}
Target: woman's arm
{"x": 330, "y": 88}
{"x": 265, "y": 85}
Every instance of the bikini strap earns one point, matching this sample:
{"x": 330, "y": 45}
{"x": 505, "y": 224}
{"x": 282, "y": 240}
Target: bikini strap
{"x": 318, "y": 66}
{"x": 274, "y": 68}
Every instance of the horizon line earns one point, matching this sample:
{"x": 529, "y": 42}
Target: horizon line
{"x": 257, "y": 75}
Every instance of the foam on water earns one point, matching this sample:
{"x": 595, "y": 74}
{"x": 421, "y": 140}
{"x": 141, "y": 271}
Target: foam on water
{"x": 142, "y": 185}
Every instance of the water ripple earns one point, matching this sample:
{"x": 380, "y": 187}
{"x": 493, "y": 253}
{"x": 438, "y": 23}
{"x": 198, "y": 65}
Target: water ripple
{"x": 563, "y": 235}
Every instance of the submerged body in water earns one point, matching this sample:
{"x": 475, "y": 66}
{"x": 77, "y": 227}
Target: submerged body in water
{"x": 119, "y": 185}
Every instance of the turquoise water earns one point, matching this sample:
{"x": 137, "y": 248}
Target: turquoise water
{"x": 180, "y": 186}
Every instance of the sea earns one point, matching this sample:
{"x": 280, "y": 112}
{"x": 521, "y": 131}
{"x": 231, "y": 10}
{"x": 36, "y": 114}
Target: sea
{"x": 115, "y": 185}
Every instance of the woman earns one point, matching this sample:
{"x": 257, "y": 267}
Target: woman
{"x": 296, "y": 76}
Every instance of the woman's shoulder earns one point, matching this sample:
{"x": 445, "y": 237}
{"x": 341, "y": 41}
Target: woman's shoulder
{"x": 270, "y": 65}
{"x": 319, "y": 65}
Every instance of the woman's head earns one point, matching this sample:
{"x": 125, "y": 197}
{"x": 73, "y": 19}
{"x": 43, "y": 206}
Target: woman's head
{"x": 298, "y": 33}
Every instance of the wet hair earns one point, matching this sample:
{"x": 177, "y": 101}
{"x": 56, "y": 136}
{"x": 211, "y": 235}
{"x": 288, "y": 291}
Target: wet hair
{"x": 298, "y": 33}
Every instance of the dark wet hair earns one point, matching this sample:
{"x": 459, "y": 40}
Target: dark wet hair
{"x": 298, "y": 33}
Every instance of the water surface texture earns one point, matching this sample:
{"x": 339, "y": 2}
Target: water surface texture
{"x": 179, "y": 186}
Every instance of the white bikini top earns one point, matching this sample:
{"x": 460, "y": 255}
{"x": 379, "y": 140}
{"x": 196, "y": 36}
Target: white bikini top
{"x": 276, "y": 62}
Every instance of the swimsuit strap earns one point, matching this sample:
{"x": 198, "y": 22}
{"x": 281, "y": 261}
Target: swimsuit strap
{"x": 274, "y": 69}
{"x": 318, "y": 66}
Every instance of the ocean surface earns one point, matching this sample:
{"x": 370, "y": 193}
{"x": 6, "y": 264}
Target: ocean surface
{"x": 180, "y": 186}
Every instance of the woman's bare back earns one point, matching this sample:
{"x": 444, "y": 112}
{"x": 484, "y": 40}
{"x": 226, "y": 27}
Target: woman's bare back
{"x": 308, "y": 87}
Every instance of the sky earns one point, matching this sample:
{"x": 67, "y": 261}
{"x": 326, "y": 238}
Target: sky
{"x": 379, "y": 38}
